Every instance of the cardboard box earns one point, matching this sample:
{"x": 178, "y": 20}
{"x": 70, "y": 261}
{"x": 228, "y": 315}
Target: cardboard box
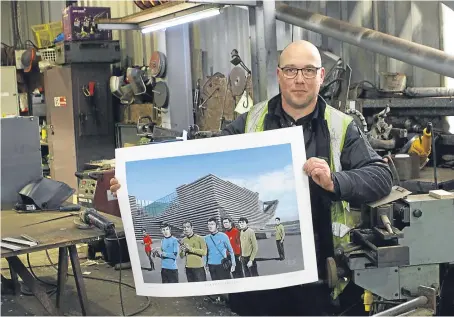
{"x": 79, "y": 23}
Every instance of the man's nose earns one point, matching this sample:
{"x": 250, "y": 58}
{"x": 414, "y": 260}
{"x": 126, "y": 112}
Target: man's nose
{"x": 299, "y": 79}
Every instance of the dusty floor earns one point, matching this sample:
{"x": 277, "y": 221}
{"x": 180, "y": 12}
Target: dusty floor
{"x": 104, "y": 299}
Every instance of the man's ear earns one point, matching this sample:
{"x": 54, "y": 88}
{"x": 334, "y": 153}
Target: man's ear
{"x": 322, "y": 75}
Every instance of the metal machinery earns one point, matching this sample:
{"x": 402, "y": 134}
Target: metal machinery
{"x": 402, "y": 251}
{"x": 400, "y": 254}
{"x": 394, "y": 120}
{"x": 80, "y": 118}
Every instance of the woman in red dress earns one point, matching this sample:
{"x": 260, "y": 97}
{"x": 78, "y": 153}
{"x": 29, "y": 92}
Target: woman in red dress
{"x": 148, "y": 242}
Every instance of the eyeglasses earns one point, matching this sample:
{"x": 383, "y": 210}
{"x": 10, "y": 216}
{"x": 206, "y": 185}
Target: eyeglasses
{"x": 292, "y": 72}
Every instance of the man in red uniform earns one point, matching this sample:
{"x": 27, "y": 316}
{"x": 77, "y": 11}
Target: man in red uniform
{"x": 234, "y": 237}
{"x": 148, "y": 242}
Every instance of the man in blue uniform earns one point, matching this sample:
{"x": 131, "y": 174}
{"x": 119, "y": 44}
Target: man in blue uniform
{"x": 168, "y": 255}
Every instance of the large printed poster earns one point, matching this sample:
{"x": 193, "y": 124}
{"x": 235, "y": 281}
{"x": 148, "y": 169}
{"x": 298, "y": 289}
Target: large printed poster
{"x": 219, "y": 215}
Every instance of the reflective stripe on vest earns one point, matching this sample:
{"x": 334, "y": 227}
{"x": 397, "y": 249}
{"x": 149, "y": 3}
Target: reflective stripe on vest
{"x": 342, "y": 219}
{"x": 256, "y": 117}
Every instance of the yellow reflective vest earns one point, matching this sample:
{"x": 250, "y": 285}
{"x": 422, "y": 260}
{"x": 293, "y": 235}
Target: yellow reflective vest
{"x": 338, "y": 122}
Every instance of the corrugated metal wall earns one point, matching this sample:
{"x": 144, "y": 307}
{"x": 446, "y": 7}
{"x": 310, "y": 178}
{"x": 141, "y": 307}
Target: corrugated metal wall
{"x": 29, "y": 13}
{"x": 218, "y": 36}
{"x": 418, "y": 21}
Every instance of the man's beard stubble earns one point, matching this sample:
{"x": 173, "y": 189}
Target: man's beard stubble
{"x": 295, "y": 105}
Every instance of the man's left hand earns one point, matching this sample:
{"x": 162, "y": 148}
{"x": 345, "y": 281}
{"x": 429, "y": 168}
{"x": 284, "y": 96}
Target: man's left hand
{"x": 249, "y": 264}
{"x": 320, "y": 173}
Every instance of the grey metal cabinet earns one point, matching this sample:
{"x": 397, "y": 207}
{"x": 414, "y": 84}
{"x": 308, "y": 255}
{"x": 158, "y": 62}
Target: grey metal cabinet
{"x": 8, "y": 94}
{"x": 20, "y": 156}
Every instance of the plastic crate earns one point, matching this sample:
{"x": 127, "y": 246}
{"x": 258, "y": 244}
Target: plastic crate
{"x": 46, "y": 33}
{"x": 48, "y": 54}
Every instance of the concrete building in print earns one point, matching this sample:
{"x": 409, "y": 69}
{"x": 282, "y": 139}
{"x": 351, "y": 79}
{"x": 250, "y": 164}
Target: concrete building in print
{"x": 209, "y": 196}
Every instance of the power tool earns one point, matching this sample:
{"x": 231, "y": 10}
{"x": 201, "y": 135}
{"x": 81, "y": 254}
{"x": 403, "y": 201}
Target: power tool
{"x": 92, "y": 217}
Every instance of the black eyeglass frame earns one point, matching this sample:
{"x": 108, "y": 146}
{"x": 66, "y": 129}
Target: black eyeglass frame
{"x": 302, "y": 71}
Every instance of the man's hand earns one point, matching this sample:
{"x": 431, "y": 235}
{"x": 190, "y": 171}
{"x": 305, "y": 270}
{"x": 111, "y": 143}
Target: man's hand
{"x": 320, "y": 173}
{"x": 249, "y": 264}
{"x": 114, "y": 186}
{"x": 232, "y": 269}
{"x": 186, "y": 248}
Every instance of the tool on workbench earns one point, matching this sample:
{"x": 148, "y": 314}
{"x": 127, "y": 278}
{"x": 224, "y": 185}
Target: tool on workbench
{"x": 420, "y": 145}
{"x": 45, "y": 194}
{"x": 22, "y": 208}
{"x": 20, "y": 241}
{"x": 15, "y": 244}
{"x": 91, "y": 217}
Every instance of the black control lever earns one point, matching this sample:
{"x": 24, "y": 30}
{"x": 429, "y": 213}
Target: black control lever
{"x": 79, "y": 175}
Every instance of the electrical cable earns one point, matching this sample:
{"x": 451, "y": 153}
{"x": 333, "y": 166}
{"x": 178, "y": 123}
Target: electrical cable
{"x": 34, "y": 275}
{"x": 119, "y": 284}
{"x": 49, "y": 292}
{"x": 148, "y": 304}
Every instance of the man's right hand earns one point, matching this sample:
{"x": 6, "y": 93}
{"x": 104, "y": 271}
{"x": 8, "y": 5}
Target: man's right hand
{"x": 114, "y": 185}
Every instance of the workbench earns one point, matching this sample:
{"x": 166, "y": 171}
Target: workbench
{"x": 60, "y": 232}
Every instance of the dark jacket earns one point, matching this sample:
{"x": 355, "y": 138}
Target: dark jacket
{"x": 365, "y": 177}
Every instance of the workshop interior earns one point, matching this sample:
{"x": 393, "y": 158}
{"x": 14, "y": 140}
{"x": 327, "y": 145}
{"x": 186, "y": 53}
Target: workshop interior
{"x": 82, "y": 78}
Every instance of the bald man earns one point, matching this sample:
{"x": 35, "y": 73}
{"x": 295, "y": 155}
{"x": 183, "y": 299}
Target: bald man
{"x": 342, "y": 168}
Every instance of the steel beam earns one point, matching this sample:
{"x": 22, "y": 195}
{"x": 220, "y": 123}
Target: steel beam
{"x": 179, "y": 78}
{"x": 261, "y": 52}
{"x": 254, "y": 55}
{"x": 118, "y": 26}
{"x": 405, "y": 307}
{"x": 249, "y": 3}
{"x": 269, "y": 8}
{"x": 388, "y": 45}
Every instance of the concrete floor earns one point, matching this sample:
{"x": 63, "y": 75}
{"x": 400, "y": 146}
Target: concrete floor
{"x": 104, "y": 299}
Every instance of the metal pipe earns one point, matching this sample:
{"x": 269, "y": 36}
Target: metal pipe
{"x": 404, "y": 307}
{"x": 378, "y": 42}
{"x": 429, "y": 91}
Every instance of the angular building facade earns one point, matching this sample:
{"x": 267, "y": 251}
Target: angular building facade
{"x": 207, "y": 197}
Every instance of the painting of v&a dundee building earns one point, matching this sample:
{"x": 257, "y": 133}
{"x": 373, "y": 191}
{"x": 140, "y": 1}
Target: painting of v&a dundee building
{"x": 207, "y": 197}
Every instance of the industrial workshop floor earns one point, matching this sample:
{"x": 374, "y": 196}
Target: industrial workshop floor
{"x": 104, "y": 299}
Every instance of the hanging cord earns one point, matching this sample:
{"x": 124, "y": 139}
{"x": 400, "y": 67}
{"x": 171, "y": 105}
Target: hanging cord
{"x": 119, "y": 282}
{"x": 393, "y": 168}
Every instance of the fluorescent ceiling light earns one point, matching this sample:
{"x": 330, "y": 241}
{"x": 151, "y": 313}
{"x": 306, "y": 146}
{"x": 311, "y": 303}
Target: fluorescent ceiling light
{"x": 181, "y": 20}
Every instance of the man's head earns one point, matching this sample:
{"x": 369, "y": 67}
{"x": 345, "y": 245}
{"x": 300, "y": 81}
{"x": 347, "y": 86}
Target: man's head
{"x": 144, "y": 232}
{"x": 300, "y": 88}
{"x": 165, "y": 229}
{"x": 212, "y": 225}
{"x": 188, "y": 229}
{"x": 227, "y": 223}
{"x": 243, "y": 223}
{"x": 277, "y": 220}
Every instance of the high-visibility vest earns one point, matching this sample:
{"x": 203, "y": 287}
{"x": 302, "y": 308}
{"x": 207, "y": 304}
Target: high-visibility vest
{"x": 341, "y": 216}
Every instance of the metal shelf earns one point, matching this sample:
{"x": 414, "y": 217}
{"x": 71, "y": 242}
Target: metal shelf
{"x": 438, "y": 106}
